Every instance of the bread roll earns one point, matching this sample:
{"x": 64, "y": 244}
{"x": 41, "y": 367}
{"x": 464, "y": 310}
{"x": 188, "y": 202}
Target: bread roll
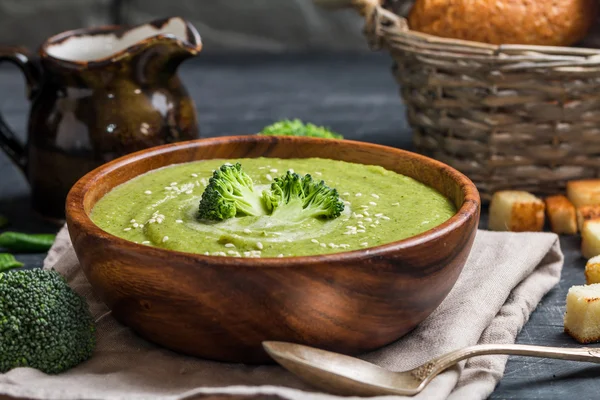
{"x": 535, "y": 22}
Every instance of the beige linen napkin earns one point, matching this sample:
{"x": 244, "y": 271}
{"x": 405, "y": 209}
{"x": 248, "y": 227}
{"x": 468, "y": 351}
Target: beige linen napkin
{"x": 506, "y": 276}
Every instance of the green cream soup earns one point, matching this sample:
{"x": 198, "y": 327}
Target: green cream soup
{"x": 160, "y": 209}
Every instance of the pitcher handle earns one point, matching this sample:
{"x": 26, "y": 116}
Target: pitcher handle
{"x": 8, "y": 140}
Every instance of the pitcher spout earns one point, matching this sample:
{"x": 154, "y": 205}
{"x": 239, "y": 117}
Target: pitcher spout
{"x": 166, "y": 42}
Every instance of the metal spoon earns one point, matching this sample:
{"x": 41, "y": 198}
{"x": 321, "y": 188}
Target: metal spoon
{"x": 340, "y": 374}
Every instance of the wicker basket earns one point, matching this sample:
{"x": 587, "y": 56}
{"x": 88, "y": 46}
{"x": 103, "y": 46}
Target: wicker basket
{"x": 508, "y": 116}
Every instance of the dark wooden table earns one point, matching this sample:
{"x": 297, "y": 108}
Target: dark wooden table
{"x": 355, "y": 95}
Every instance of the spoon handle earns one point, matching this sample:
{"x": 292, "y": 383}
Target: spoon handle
{"x": 437, "y": 365}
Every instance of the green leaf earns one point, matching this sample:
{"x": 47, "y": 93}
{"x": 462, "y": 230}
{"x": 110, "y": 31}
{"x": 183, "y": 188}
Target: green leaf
{"x": 3, "y": 221}
{"x": 27, "y": 243}
{"x": 8, "y": 261}
{"x": 298, "y": 128}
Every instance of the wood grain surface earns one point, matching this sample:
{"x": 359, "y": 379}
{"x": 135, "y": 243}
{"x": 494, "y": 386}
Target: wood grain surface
{"x": 222, "y": 308}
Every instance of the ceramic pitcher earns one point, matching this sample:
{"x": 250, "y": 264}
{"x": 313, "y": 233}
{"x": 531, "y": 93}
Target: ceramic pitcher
{"x": 97, "y": 94}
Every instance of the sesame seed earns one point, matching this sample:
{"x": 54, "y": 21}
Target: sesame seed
{"x": 148, "y": 192}
{"x": 151, "y": 221}
{"x": 141, "y": 225}
{"x": 179, "y": 221}
{"x": 229, "y": 245}
{"x": 259, "y": 245}
{"x": 168, "y": 188}
{"x": 343, "y": 246}
{"x": 376, "y": 222}
{"x": 346, "y": 202}
{"x": 194, "y": 175}
{"x": 323, "y": 245}
{"x": 206, "y": 253}
{"x": 261, "y": 167}
{"x": 146, "y": 242}
{"x": 222, "y": 254}
{"x": 374, "y": 195}
{"x": 386, "y": 218}
{"x": 364, "y": 244}
{"x": 345, "y": 194}
{"x": 314, "y": 241}
{"x": 369, "y": 219}
{"x": 372, "y": 203}
{"x": 165, "y": 239}
{"x": 269, "y": 177}
{"x": 132, "y": 221}
{"x": 333, "y": 245}
{"x": 189, "y": 192}
{"x": 159, "y": 220}
{"x": 318, "y": 173}
{"x": 358, "y": 215}
{"x": 136, "y": 225}
{"x": 247, "y": 230}
{"x": 373, "y": 226}
{"x": 360, "y": 231}
{"x": 274, "y": 170}
{"x": 395, "y": 204}
{"x": 280, "y": 255}
{"x": 365, "y": 207}
{"x": 366, "y": 213}
{"x": 358, "y": 194}
{"x": 127, "y": 229}
{"x": 173, "y": 183}
{"x": 350, "y": 227}
{"x": 378, "y": 215}
{"x": 291, "y": 171}
{"x": 277, "y": 233}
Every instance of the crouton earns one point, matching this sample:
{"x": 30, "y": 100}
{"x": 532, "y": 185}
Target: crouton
{"x": 516, "y": 211}
{"x": 584, "y": 192}
{"x": 561, "y": 213}
{"x": 582, "y": 317}
{"x": 592, "y": 270}
{"x": 585, "y": 213}
{"x": 590, "y": 238}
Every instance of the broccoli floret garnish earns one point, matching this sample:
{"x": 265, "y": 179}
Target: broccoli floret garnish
{"x": 293, "y": 197}
{"x": 44, "y": 324}
{"x": 298, "y": 128}
{"x": 230, "y": 192}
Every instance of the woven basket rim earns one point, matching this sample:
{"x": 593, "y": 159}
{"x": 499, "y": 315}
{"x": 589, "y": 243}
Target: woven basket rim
{"x": 375, "y": 16}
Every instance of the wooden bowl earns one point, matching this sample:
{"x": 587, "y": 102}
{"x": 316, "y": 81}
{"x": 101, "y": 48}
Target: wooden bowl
{"x": 222, "y": 308}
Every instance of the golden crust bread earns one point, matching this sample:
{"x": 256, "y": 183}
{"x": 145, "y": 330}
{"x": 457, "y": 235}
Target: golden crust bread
{"x": 584, "y": 192}
{"x": 537, "y": 22}
{"x": 516, "y": 211}
{"x": 586, "y": 213}
{"x": 592, "y": 270}
{"x": 582, "y": 316}
{"x": 590, "y": 238}
{"x": 561, "y": 213}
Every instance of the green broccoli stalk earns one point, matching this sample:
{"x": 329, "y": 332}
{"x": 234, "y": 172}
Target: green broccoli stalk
{"x": 230, "y": 192}
{"x": 44, "y": 324}
{"x": 294, "y": 198}
{"x": 298, "y": 128}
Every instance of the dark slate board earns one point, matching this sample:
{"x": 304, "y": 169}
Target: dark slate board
{"x": 357, "y": 96}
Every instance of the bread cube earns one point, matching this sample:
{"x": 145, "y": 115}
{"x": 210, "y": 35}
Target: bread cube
{"x": 584, "y": 192}
{"x": 590, "y": 238}
{"x": 592, "y": 270}
{"x": 561, "y": 213}
{"x": 585, "y": 213}
{"x": 516, "y": 211}
{"x": 582, "y": 317}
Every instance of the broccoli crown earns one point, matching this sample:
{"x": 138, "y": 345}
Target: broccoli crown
{"x": 230, "y": 192}
{"x": 294, "y": 197}
{"x": 44, "y": 324}
{"x": 298, "y": 128}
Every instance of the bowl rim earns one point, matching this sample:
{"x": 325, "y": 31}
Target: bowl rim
{"x": 76, "y": 214}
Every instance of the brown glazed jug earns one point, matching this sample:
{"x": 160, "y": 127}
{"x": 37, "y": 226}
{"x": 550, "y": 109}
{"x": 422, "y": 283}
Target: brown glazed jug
{"x": 97, "y": 94}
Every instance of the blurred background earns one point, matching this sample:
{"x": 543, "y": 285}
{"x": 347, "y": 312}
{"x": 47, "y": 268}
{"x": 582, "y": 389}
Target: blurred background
{"x": 225, "y": 25}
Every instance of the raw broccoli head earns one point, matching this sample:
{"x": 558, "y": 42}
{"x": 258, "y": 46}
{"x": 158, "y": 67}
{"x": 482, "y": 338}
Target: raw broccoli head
{"x": 230, "y": 192}
{"x": 293, "y": 197}
{"x": 298, "y": 128}
{"x": 43, "y": 323}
